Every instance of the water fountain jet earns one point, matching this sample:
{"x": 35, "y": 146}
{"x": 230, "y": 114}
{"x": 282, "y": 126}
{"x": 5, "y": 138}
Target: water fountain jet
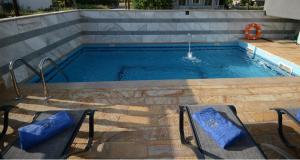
{"x": 190, "y": 53}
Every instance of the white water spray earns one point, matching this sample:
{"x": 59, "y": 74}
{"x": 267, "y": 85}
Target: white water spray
{"x": 190, "y": 53}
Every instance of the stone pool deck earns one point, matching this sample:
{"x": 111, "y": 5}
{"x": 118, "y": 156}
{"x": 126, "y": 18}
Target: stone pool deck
{"x": 140, "y": 120}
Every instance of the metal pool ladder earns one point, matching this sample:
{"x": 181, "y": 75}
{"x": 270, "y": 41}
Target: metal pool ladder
{"x": 13, "y": 77}
{"x": 41, "y": 68}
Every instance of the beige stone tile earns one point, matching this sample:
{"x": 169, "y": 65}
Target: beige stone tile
{"x": 169, "y": 149}
{"x": 125, "y": 150}
{"x": 161, "y": 100}
{"x": 144, "y": 117}
{"x": 189, "y": 100}
{"x": 159, "y": 93}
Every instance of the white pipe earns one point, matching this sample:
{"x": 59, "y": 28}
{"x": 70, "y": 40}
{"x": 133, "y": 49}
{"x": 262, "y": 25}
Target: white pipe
{"x": 298, "y": 40}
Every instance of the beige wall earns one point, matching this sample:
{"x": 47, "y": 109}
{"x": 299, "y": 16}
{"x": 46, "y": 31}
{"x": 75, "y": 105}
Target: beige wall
{"x": 283, "y": 8}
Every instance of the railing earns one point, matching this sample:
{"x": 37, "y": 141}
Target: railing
{"x": 13, "y": 77}
{"x": 41, "y": 67}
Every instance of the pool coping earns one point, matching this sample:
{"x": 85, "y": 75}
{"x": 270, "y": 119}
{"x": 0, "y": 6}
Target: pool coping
{"x": 156, "y": 84}
{"x": 272, "y": 58}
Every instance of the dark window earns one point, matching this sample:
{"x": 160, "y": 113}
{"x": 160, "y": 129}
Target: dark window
{"x": 182, "y": 2}
{"x": 196, "y": 1}
{"x": 208, "y": 2}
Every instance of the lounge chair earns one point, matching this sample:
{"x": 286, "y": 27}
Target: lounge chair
{"x": 57, "y": 146}
{"x": 245, "y": 148}
{"x": 291, "y": 113}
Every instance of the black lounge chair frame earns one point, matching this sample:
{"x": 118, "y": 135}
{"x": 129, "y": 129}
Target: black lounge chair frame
{"x": 66, "y": 151}
{"x": 280, "y": 112}
{"x": 5, "y": 109}
{"x": 201, "y": 152}
{"x": 184, "y": 140}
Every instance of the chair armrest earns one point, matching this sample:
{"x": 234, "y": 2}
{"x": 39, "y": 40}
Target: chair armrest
{"x": 6, "y": 108}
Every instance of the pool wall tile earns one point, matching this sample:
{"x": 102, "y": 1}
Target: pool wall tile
{"x": 185, "y": 26}
{"x": 25, "y": 25}
{"x": 49, "y": 20}
{"x": 89, "y": 27}
{"x": 91, "y": 14}
{"x": 201, "y": 26}
{"x": 213, "y": 26}
{"x": 159, "y": 39}
{"x": 194, "y": 26}
{"x": 132, "y": 26}
{"x": 179, "y": 38}
{"x": 162, "y": 27}
{"x": 234, "y": 37}
{"x": 22, "y": 73}
{"x": 8, "y": 29}
{"x": 199, "y": 38}
{"x": 19, "y": 49}
{"x": 36, "y": 43}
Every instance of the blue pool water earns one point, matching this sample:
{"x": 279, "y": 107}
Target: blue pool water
{"x": 159, "y": 62}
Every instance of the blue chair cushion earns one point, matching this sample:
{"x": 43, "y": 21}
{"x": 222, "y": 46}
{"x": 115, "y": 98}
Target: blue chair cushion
{"x": 298, "y": 116}
{"x": 219, "y": 128}
{"x": 43, "y": 130}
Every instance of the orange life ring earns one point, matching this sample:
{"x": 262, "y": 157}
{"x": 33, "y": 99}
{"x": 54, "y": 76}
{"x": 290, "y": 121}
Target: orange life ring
{"x": 251, "y": 26}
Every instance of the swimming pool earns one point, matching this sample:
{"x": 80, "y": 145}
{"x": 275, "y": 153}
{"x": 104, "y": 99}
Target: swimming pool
{"x": 123, "y": 62}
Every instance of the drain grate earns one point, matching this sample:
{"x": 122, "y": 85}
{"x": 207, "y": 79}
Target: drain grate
{"x": 286, "y": 68}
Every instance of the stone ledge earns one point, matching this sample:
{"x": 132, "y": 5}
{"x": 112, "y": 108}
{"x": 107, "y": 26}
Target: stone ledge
{"x": 34, "y": 15}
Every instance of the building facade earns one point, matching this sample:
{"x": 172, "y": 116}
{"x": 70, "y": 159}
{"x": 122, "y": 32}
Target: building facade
{"x": 31, "y": 4}
{"x": 283, "y": 8}
{"x": 197, "y": 4}
{"x": 209, "y": 4}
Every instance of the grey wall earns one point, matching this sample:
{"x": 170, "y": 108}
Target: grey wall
{"x": 283, "y": 8}
{"x": 173, "y": 26}
{"x": 35, "y": 37}
{"x": 54, "y": 35}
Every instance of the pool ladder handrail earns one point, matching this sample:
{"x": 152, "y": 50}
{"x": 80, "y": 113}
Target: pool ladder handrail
{"x": 13, "y": 77}
{"x": 41, "y": 68}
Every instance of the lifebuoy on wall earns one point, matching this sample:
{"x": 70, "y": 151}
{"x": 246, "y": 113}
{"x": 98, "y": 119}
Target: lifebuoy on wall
{"x": 257, "y": 34}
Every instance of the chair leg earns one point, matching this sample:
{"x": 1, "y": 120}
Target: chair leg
{"x": 5, "y": 124}
{"x": 181, "y": 125}
{"x": 91, "y": 130}
{"x": 280, "y": 130}
{"x": 91, "y": 114}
